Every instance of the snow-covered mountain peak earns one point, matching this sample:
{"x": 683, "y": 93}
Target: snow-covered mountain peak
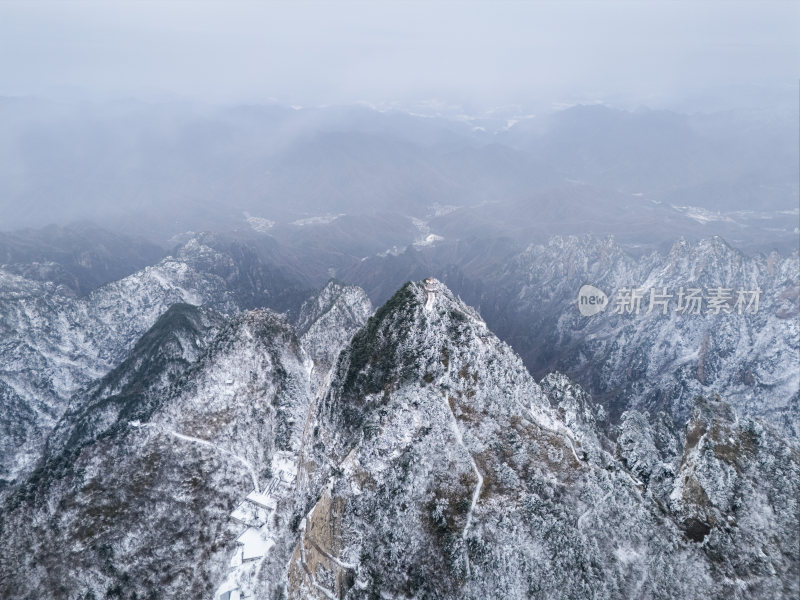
{"x": 197, "y": 252}
{"x": 327, "y": 322}
{"x": 334, "y": 297}
{"x": 415, "y": 335}
{"x": 433, "y": 440}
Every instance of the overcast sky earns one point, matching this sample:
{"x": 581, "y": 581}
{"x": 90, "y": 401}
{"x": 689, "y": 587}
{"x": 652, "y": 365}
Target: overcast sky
{"x": 485, "y": 53}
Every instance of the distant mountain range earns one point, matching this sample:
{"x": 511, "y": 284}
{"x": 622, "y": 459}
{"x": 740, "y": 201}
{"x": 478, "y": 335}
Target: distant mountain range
{"x": 645, "y": 176}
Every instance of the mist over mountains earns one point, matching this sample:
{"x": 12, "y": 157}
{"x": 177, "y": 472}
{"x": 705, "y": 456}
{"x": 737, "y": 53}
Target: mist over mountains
{"x": 160, "y": 169}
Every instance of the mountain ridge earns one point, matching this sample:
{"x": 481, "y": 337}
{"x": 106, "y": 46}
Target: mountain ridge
{"x": 428, "y": 462}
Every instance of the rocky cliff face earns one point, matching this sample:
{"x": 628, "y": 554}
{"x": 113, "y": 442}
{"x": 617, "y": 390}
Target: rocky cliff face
{"x": 429, "y": 463}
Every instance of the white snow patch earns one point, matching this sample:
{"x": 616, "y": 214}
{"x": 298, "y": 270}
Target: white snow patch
{"x": 429, "y": 240}
{"x": 259, "y": 224}
{"x": 701, "y": 215}
{"x": 320, "y": 220}
{"x": 263, "y": 500}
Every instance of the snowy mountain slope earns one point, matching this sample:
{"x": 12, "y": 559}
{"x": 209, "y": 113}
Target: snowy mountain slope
{"x": 255, "y": 270}
{"x": 656, "y": 361}
{"x": 249, "y": 391}
{"x": 651, "y": 362}
{"x": 327, "y": 322}
{"x": 430, "y": 465}
{"x": 737, "y": 484}
{"x": 79, "y": 257}
{"x": 138, "y": 486}
{"x": 135, "y": 389}
{"x": 55, "y": 344}
{"x": 435, "y": 466}
{"x": 152, "y": 498}
{"x": 134, "y": 513}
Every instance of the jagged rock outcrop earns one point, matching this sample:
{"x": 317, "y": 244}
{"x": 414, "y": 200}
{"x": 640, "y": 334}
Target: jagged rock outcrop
{"x": 328, "y": 320}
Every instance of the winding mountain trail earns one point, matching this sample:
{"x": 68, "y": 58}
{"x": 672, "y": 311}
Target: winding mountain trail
{"x": 479, "y": 486}
{"x": 188, "y": 438}
{"x": 247, "y": 464}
